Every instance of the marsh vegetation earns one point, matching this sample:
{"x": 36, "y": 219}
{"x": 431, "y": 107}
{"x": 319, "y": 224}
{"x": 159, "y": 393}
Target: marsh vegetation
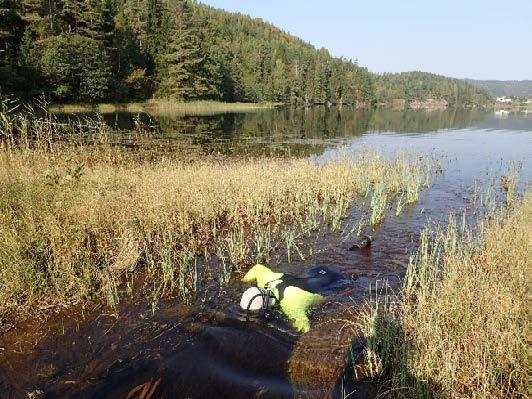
{"x": 143, "y": 227}
{"x": 458, "y": 327}
{"x": 82, "y": 217}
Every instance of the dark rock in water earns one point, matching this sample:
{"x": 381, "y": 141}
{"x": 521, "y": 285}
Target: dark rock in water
{"x": 364, "y": 242}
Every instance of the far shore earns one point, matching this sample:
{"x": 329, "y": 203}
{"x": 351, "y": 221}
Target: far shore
{"x": 207, "y": 107}
{"x": 161, "y": 106}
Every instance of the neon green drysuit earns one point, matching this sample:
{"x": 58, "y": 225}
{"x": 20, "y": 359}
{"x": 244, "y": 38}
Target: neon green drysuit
{"x": 295, "y": 302}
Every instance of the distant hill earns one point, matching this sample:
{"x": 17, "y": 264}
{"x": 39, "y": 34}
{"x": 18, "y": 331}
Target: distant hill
{"x": 423, "y": 86}
{"x": 498, "y": 88}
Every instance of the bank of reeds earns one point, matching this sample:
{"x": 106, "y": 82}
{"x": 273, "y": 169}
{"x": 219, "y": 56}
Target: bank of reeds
{"x": 80, "y": 218}
{"x": 162, "y": 107}
{"x": 459, "y": 329}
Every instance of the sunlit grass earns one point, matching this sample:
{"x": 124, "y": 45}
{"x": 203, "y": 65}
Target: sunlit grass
{"x": 459, "y": 328}
{"x": 160, "y": 107}
{"x": 509, "y": 182}
{"x": 81, "y": 218}
{"x": 379, "y": 202}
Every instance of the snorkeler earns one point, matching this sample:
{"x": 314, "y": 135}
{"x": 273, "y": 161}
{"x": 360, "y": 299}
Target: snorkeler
{"x": 293, "y": 295}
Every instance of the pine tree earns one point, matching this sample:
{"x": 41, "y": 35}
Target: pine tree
{"x": 154, "y": 29}
{"x": 103, "y": 24}
{"x": 321, "y": 78}
{"x": 279, "y": 83}
{"x": 33, "y": 12}
{"x": 185, "y": 50}
{"x": 71, "y": 15}
{"x": 11, "y": 28}
{"x": 183, "y": 77}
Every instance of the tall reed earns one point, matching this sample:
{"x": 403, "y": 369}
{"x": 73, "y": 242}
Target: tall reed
{"x": 80, "y": 215}
{"x": 460, "y": 327}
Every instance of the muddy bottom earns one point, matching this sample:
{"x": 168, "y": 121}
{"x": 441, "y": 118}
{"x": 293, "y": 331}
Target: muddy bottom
{"x": 210, "y": 349}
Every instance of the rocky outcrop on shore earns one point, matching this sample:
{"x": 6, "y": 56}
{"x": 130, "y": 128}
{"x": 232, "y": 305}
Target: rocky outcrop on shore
{"x": 429, "y": 103}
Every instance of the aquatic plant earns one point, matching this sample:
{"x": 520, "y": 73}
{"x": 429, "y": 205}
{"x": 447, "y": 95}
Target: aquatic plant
{"x": 188, "y": 276}
{"x": 459, "y": 329}
{"x": 378, "y": 203}
{"x": 290, "y": 238}
{"x": 237, "y": 247}
{"x": 226, "y": 269}
{"x": 80, "y": 215}
{"x": 263, "y": 244}
{"x": 400, "y": 204}
{"x": 413, "y": 186}
{"x": 509, "y": 182}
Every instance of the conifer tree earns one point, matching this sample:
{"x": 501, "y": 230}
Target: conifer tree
{"x": 11, "y": 27}
{"x": 185, "y": 50}
{"x": 155, "y": 28}
{"x": 183, "y": 77}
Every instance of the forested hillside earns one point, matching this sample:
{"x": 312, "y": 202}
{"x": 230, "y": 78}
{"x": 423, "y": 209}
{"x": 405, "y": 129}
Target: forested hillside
{"x": 423, "y": 86}
{"x": 512, "y": 88}
{"x": 79, "y": 50}
{"x": 125, "y": 50}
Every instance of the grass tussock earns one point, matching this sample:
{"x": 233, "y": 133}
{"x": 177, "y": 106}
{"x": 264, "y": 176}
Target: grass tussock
{"x": 82, "y": 218}
{"x": 460, "y": 329}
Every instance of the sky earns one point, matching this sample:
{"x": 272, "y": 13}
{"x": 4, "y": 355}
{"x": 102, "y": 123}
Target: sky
{"x": 478, "y": 39}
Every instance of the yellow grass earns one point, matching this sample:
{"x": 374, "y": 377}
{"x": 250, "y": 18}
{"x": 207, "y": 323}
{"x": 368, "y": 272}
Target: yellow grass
{"x": 67, "y": 230}
{"x": 460, "y": 330}
{"x": 163, "y": 106}
{"x": 81, "y": 218}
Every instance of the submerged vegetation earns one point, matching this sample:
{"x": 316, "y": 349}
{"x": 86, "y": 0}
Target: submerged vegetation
{"x": 81, "y": 216}
{"x": 459, "y": 328}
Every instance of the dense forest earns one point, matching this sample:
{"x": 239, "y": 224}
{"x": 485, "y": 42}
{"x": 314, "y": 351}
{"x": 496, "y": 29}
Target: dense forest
{"x": 423, "y": 86}
{"x": 135, "y": 49}
{"x": 511, "y": 88}
{"x": 124, "y": 50}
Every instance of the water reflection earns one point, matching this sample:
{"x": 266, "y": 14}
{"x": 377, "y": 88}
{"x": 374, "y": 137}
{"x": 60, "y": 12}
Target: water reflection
{"x": 293, "y": 131}
{"x": 321, "y": 123}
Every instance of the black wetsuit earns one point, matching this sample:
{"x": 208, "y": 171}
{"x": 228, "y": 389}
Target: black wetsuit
{"x": 320, "y": 280}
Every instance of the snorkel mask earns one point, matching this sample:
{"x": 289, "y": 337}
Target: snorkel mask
{"x": 257, "y": 299}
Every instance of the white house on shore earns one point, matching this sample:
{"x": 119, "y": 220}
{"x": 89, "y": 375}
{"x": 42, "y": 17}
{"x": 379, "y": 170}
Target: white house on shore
{"x": 504, "y": 100}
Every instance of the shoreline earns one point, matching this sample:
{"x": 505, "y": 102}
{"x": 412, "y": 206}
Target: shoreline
{"x": 213, "y": 107}
{"x": 162, "y": 106}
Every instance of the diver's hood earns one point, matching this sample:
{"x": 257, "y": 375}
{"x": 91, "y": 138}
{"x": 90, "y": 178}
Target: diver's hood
{"x": 255, "y": 299}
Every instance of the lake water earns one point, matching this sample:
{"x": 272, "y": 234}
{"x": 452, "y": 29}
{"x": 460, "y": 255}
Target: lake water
{"x": 474, "y": 143}
{"x": 477, "y": 137}
{"x": 208, "y": 350}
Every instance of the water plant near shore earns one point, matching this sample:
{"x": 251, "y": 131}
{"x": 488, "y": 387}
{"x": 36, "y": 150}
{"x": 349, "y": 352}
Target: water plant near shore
{"x": 509, "y": 182}
{"x": 459, "y": 328}
{"x": 378, "y": 204}
{"x": 81, "y": 217}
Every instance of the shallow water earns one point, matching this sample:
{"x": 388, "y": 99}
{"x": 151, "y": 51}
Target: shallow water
{"x": 208, "y": 349}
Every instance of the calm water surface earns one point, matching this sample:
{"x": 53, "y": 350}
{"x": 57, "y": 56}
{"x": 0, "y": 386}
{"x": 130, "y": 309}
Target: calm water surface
{"x": 208, "y": 349}
{"x": 477, "y": 140}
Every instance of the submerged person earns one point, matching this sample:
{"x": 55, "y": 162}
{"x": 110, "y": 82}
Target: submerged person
{"x": 294, "y": 295}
